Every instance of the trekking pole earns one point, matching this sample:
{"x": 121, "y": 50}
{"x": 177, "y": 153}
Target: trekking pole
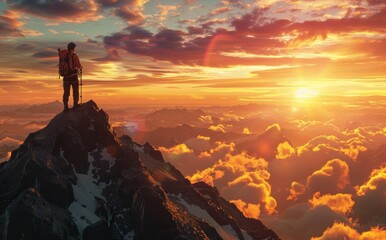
{"x": 59, "y": 63}
{"x": 81, "y": 86}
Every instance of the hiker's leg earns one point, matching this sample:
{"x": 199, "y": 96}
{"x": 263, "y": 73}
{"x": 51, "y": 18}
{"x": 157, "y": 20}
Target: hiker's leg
{"x": 75, "y": 89}
{"x": 66, "y": 93}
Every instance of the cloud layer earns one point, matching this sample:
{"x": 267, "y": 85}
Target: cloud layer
{"x": 331, "y": 177}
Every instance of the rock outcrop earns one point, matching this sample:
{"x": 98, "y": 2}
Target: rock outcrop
{"x": 74, "y": 179}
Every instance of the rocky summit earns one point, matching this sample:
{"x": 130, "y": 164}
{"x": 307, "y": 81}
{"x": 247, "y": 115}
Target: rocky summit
{"x": 74, "y": 179}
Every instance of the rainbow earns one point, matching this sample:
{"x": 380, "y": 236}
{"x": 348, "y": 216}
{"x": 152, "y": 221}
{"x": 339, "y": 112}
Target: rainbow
{"x": 215, "y": 40}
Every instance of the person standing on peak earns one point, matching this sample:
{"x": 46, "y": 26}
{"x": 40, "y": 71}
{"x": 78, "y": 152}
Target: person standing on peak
{"x": 71, "y": 79}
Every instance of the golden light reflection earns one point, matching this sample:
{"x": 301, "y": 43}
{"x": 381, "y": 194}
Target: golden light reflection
{"x": 110, "y": 68}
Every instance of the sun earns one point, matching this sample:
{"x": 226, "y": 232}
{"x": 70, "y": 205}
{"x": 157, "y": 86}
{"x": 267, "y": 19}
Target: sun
{"x": 305, "y": 93}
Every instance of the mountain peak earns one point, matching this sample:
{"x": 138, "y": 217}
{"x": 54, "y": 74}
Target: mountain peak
{"x": 273, "y": 129}
{"x": 264, "y": 145}
{"x": 74, "y": 179}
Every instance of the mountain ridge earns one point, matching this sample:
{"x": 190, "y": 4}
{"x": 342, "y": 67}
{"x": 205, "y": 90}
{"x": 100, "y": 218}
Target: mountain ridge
{"x": 74, "y": 179}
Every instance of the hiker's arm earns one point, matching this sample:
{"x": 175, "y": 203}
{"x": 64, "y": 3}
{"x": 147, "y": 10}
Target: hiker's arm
{"x": 77, "y": 62}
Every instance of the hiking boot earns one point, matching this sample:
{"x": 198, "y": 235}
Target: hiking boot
{"x": 76, "y": 105}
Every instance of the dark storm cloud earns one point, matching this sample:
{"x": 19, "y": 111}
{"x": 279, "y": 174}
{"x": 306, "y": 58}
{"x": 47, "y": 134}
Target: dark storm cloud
{"x": 129, "y": 14}
{"x": 45, "y": 54}
{"x": 59, "y": 10}
{"x": 25, "y": 47}
{"x": 9, "y": 25}
{"x": 252, "y": 34}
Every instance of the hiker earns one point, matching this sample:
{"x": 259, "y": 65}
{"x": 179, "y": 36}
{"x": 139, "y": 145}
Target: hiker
{"x": 71, "y": 78}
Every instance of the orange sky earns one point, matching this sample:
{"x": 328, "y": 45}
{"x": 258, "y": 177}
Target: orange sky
{"x": 192, "y": 52}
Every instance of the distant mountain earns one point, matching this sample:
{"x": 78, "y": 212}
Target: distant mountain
{"x": 74, "y": 179}
{"x": 174, "y": 117}
{"x": 7, "y": 145}
{"x": 264, "y": 145}
{"x": 20, "y": 130}
{"x": 171, "y": 136}
{"x": 51, "y": 107}
{"x": 366, "y": 162}
{"x": 44, "y": 108}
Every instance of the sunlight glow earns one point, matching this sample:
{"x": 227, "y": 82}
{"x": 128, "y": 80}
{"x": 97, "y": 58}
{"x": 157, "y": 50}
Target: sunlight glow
{"x": 110, "y": 68}
{"x": 303, "y": 93}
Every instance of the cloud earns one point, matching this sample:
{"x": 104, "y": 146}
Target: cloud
{"x": 181, "y": 156}
{"x": 208, "y": 176}
{"x": 10, "y": 25}
{"x": 341, "y": 203}
{"x": 201, "y": 45}
{"x": 196, "y": 154}
{"x": 220, "y": 10}
{"x": 246, "y": 131}
{"x": 338, "y": 231}
{"x": 130, "y": 11}
{"x": 32, "y": 33}
{"x": 219, "y": 127}
{"x": 313, "y": 155}
{"x": 302, "y": 221}
{"x": 249, "y": 210}
{"x": 168, "y": 39}
{"x": 312, "y": 129}
{"x": 53, "y": 31}
{"x": 58, "y": 10}
{"x": 178, "y": 149}
{"x": 199, "y": 144}
{"x": 374, "y": 234}
{"x": 203, "y": 138}
{"x": 219, "y": 149}
{"x": 129, "y": 14}
{"x": 375, "y": 2}
{"x": 165, "y": 10}
{"x": 314, "y": 186}
{"x": 332, "y": 177}
{"x": 167, "y": 44}
{"x": 172, "y": 45}
{"x": 311, "y": 30}
{"x": 376, "y": 179}
{"x": 112, "y": 3}
{"x": 231, "y": 116}
{"x": 7, "y": 145}
{"x": 253, "y": 188}
{"x": 370, "y": 204}
{"x": 296, "y": 190}
{"x": 284, "y": 150}
{"x": 250, "y": 19}
{"x": 10, "y": 142}
{"x": 349, "y": 146}
{"x": 119, "y": 3}
{"x": 370, "y": 136}
{"x": 242, "y": 179}
{"x": 192, "y": 30}
{"x": 342, "y": 231}
{"x": 25, "y": 47}
{"x": 45, "y": 54}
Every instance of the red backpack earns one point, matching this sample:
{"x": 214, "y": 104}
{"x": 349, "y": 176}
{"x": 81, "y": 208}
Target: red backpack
{"x": 66, "y": 65}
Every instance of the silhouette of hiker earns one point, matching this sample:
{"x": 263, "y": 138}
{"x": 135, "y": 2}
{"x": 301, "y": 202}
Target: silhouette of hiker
{"x": 71, "y": 79}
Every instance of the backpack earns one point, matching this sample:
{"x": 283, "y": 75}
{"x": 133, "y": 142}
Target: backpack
{"x": 66, "y": 65}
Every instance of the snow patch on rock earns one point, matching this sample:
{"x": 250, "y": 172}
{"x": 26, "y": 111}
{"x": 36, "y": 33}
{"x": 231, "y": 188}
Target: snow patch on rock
{"x": 246, "y": 235}
{"x": 87, "y": 188}
{"x": 226, "y": 232}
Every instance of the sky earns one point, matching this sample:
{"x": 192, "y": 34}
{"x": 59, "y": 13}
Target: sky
{"x": 193, "y": 52}
{"x": 319, "y": 57}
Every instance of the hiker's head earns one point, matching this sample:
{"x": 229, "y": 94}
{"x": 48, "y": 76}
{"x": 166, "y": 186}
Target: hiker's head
{"x": 71, "y": 46}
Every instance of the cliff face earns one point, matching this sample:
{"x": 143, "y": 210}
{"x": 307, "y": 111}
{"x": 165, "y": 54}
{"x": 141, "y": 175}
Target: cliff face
{"x": 74, "y": 179}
